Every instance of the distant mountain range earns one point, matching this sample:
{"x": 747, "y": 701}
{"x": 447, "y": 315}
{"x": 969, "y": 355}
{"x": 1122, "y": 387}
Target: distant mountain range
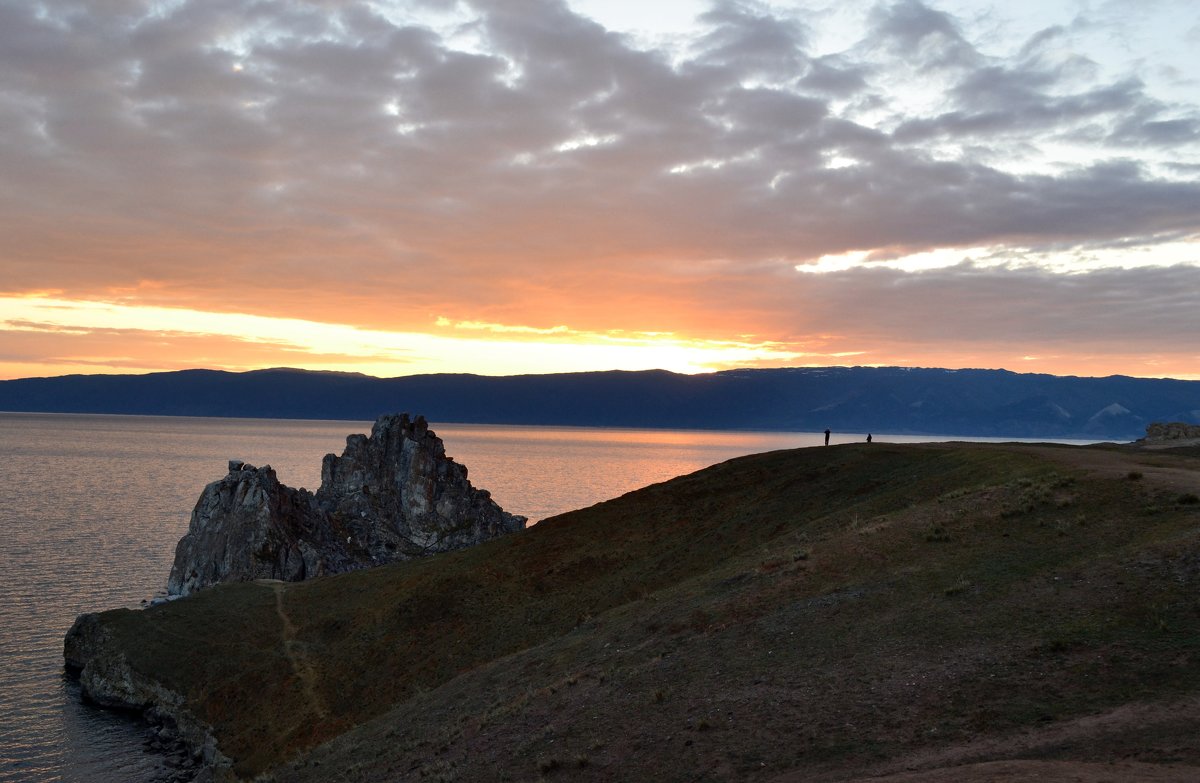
{"x": 892, "y": 400}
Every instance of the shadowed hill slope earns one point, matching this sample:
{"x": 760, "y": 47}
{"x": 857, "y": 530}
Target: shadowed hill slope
{"x": 827, "y": 612}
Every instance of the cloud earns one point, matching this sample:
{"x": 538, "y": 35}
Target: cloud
{"x": 1117, "y": 309}
{"x": 40, "y": 349}
{"x": 834, "y": 75}
{"x": 479, "y": 326}
{"x": 516, "y": 163}
{"x": 1098, "y": 323}
{"x": 913, "y": 30}
{"x": 745, "y": 40}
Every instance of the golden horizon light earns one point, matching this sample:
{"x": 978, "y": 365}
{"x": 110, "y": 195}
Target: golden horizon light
{"x": 397, "y": 188}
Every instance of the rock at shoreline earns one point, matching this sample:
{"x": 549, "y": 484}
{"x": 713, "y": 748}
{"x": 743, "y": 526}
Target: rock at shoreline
{"x": 392, "y": 496}
{"x": 108, "y": 679}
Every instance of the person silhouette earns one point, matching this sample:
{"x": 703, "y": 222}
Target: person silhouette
{"x": 868, "y": 437}
{"x": 827, "y": 437}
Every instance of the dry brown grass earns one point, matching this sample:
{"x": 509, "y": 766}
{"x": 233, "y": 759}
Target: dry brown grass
{"x": 783, "y": 611}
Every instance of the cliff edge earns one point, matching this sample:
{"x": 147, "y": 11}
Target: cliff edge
{"x": 392, "y": 496}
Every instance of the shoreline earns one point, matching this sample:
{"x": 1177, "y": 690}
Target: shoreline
{"x": 657, "y": 608}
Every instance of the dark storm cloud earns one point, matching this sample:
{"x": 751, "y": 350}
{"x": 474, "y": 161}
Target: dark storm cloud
{"x": 238, "y": 153}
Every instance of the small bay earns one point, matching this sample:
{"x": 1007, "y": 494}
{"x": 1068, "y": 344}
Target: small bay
{"x": 91, "y": 508}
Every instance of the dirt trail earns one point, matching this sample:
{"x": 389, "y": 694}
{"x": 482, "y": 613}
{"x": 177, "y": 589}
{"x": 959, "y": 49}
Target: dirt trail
{"x": 294, "y": 650}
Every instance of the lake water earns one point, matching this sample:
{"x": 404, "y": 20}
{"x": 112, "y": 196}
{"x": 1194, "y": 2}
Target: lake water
{"x": 91, "y": 508}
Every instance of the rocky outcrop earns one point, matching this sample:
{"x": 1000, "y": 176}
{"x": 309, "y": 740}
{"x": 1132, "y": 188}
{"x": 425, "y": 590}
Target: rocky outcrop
{"x": 1172, "y": 431}
{"x": 108, "y": 679}
{"x": 392, "y": 496}
{"x": 249, "y": 526}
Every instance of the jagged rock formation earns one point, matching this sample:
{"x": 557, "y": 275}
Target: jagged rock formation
{"x": 392, "y": 496}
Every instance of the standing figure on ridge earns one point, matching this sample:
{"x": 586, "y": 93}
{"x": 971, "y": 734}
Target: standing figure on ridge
{"x": 868, "y": 437}
{"x": 827, "y": 436}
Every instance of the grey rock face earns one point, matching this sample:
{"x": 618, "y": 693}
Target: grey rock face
{"x": 249, "y": 526}
{"x": 392, "y": 496}
{"x": 108, "y": 679}
{"x": 1175, "y": 430}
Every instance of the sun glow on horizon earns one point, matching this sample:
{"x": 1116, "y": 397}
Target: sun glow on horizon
{"x": 235, "y": 341}
{"x": 52, "y": 335}
{"x": 600, "y": 184}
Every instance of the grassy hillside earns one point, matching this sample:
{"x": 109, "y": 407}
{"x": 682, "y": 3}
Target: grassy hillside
{"x": 826, "y": 612}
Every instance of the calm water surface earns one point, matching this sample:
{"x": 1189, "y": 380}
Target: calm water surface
{"x": 91, "y": 508}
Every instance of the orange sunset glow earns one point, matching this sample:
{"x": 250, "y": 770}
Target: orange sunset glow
{"x": 501, "y": 188}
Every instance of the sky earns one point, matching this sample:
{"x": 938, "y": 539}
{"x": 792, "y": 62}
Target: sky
{"x": 526, "y": 186}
